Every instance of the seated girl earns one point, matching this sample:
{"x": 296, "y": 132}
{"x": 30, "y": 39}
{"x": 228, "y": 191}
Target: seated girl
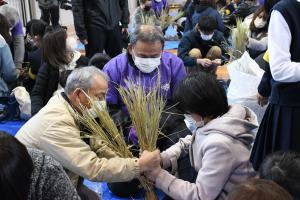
{"x": 58, "y": 55}
{"x": 258, "y": 33}
{"x": 219, "y": 147}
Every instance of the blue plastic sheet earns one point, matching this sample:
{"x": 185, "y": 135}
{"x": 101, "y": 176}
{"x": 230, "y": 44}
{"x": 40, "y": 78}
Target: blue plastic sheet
{"x": 11, "y": 127}
{"x": 103, "y": 191}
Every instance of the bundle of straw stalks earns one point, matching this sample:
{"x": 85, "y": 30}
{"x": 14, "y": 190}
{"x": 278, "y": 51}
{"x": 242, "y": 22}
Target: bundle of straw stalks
{"x": 166, "y": 20}
{"x": 239, "y": 38}
{"x": 145, "y": 109}
{"x": 147, "y": 20}
{"x": 104, "y": 130}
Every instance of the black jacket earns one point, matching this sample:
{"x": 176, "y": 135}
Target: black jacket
{"x": 103, "y": 14}
{"x": 45, "y": 85}
{"x": 193, "y": 40}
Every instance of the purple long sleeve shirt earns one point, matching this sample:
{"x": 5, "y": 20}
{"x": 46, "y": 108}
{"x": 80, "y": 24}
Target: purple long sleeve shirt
{"x": 17, "y": 29}
{"x": 159, "y": 6}
{"x": 121, "y": 68}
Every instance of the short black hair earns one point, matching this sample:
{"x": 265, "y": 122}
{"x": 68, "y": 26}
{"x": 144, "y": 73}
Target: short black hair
{"x": 16, "y": 167}
{"x": 99, "y": 60}
{"x": 284, "y": 169}
{"x": 207, "y": 24}
{"x": 38, "y": 28}
{"x": 201, "y": 94}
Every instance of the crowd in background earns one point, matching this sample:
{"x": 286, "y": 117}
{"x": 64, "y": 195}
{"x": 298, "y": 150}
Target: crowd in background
{"x": 212, "y": 149}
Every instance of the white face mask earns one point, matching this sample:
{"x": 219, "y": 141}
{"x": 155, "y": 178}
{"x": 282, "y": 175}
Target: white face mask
{"x": 158, "y": 1}
{"x": 206, "y": 37}
{"x": 191, "y": 124}
{"x": 146, "y": 65}
{"x": 259, "y": 23}
{"x": 97, "y": 105}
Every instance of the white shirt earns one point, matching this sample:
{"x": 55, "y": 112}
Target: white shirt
{"x": 279, "y": 42}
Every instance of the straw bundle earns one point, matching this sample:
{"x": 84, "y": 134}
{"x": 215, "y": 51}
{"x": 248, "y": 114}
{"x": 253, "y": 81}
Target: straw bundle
{"x": 145, "y": 110}
{"x": 239, "y": 38}
{"x": 147, "y": 20}
{"x": 166, "y": 20}
{"x": 108, "y": 133}
{"x": 105, "y": 130}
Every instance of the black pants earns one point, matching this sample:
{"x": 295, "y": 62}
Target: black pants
{"x": 51, "y": 13}
{"x": 100, "y": 39}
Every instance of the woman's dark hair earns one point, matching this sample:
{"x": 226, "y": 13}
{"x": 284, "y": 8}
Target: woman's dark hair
{"x": 207, "y": 24}
{"x": 258, "y": 189}
{"x": 201, "y": 94}
{"x": 284, "y": 169}
{"x": 55, "y": 48}
{"x": 16, "y": 167}
{"x": 253, "y": 29}
{"x": 99, "y": 60}
{"x": 4, "y": 30}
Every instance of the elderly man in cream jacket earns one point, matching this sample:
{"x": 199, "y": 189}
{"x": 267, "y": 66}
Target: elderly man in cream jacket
{"x": 55, "y": 131}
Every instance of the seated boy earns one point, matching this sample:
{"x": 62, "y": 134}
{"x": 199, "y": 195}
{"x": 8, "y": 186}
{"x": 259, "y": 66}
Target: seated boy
{"x": 204, "y": 47}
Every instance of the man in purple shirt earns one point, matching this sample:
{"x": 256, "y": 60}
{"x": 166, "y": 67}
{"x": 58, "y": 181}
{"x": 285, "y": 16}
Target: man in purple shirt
{"x": 158, "y": 6}
{"x": 144, "y": 58}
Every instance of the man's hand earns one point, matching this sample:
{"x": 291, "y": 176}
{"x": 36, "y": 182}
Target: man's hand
{"x": 261, "y": 100}
{"x": 204, "y": 62}
{"x": 149, "y": 160}
{"x": 217, "y": 62}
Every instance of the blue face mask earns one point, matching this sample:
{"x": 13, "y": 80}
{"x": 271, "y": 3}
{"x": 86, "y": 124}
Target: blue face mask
{"x": 191, "y": 124}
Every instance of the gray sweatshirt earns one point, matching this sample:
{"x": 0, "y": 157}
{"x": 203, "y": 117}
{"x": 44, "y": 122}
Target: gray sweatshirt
{"x": 219, "y": 152}
{"x": 49, "y": 180}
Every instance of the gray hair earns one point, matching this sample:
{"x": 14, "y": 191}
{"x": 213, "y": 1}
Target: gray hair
{"x": 83, "y": 78}
{"x": 147, "y": 33}
{"x": 11, "y": 14}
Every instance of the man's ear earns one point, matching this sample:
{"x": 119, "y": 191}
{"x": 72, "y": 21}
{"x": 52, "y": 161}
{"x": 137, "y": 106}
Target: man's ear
{"x": 76, "y": 95}
{"x": 129, "y": 48}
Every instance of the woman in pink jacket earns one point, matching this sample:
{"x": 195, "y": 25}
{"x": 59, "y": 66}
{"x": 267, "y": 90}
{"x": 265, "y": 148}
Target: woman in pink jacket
{"x": 219, "y": 146}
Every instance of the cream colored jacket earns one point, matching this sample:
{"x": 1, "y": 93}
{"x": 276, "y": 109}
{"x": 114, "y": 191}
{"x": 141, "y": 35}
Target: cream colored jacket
{"x": 54, "y": 131}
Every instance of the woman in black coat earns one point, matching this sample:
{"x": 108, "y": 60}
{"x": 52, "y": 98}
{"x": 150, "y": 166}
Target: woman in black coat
{"x": 58, "y": 57}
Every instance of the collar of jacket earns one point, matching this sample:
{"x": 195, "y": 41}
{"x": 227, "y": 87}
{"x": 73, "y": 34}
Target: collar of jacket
{"x": 130, "y": 60}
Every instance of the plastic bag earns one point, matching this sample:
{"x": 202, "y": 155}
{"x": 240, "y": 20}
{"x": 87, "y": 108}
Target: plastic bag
{"x": 23, "y": 98}
{"x": 245, "y": 77}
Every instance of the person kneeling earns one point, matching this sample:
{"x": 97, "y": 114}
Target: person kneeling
{"x": 219, "y": 147}
{"x": 204, "y": 47}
